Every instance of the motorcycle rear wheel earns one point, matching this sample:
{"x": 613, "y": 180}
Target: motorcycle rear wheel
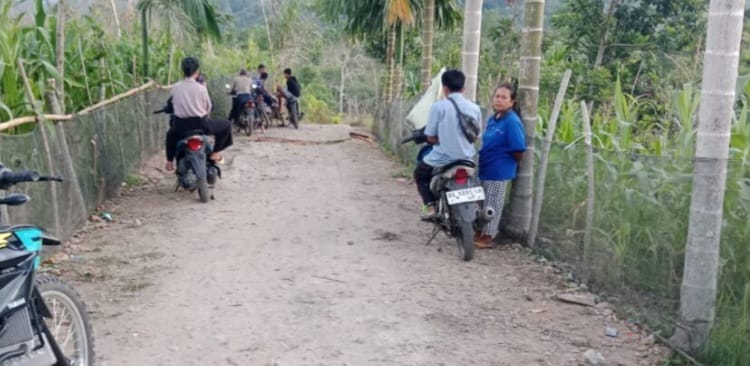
{"x": 203, "y": 190}
{"x": 62, "y": 300}
{"x": 465, "y": 240}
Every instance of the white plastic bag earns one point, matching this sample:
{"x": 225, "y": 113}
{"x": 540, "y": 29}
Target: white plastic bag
{"x": 421, "y": 111}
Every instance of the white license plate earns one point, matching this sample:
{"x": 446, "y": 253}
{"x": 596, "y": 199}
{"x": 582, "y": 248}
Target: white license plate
{"x": 465, "y": 195}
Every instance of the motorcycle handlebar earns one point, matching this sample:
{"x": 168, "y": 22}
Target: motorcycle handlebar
{"x": 51, "y": 179}
{"x": 8, "y": 177}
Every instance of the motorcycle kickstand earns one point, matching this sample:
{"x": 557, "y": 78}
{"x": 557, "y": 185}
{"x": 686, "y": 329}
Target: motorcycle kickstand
{"x": 435, "y": 232}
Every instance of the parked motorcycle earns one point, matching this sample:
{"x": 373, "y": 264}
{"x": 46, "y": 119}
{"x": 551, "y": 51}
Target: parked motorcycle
{"x": 43, "y": 320}
{"x": 460, "y": 210}
{"x": 262, "y": 110}
{"x": 246, "y": 115}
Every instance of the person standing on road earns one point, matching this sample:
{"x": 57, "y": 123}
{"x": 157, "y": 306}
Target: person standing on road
{"x": 292, "y": 94}
{"x": 503, "y": 145}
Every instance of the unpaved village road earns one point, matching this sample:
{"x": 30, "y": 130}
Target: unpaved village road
{"x": 313, "y": 254}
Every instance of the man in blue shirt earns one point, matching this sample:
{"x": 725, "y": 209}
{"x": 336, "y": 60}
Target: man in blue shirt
{"x": 444, "y": 132}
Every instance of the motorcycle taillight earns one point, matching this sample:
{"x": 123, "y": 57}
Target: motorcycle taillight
{"x": 461, "y": 177}
{"x": 251, "y": 104}
{"x": 194, "y": 143}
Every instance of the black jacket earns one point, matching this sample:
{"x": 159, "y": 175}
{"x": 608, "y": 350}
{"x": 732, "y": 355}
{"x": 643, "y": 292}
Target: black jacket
{"x": 293, "y": 86}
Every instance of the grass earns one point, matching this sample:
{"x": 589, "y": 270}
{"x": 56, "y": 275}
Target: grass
{"x": 643, "y": 189}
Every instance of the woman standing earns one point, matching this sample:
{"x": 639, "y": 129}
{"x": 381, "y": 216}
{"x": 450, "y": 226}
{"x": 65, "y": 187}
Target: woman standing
{"x": 503, "y": 145}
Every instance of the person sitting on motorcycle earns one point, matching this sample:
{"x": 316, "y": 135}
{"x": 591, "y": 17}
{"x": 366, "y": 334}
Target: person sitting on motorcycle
{"x": 241, "y": 88}
{"x": 192, "y": 105}
{"x": 444, "y": 133}
{"x": 261, "y": 69}
{"x": 267, "y": 97}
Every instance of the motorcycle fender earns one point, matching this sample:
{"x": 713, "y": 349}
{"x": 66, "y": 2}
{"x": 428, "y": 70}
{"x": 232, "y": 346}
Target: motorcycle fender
{"x": 464, "y": 212}
{"x": 197, "y": 161}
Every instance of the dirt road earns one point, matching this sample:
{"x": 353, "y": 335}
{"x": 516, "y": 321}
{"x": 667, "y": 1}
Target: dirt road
{"x": 313, "y": 254}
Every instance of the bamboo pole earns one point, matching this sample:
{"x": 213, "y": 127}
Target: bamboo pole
{"x": 67, "y": 117}
{"x": 590, "y": 198}
{"x": 542, "y": 170}
{"x": 50, "y": 166}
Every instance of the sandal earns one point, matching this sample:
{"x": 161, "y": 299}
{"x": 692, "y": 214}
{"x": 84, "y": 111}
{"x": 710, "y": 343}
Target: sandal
{"x": 485, "y": 242}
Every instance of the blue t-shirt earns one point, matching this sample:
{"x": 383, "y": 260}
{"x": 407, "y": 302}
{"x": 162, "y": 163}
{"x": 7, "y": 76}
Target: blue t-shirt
{"x": 443, "y": 123}
{"x": 503, "y": 137}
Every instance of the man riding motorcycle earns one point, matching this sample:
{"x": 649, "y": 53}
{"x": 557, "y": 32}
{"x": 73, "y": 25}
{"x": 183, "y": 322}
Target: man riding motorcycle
{"x": 191, "y": 105}
{"x": 241, "y": 87}
{"x": 444, "y": 132}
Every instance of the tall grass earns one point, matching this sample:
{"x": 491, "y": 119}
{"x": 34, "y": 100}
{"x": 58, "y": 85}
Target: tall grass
{"x": 643, "y": 188}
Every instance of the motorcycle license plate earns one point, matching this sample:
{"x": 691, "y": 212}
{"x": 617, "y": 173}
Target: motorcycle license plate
{"x": 465, "y": 195}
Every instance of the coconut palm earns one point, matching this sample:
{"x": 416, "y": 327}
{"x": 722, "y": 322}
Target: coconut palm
{"x": 721, "y": 59}
{"x": 364, "y": 18}
{"x": 188, "y": 16}
{"x": 519, "y": 218}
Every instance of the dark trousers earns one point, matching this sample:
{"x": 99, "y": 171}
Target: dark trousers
{"x": 181, "y": 128}
{"x": 423, "y": 176}
{"x": 238, "y": 102}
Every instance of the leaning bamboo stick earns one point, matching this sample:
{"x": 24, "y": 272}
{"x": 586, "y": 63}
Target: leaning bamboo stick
{"x": 542, "y": 170}
{"x": 45, "y": 141}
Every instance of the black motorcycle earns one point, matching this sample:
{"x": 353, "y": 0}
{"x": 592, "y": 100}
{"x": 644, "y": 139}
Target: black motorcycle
{"x": 459, "y": 211}
{"x": 195, "y": 172}
{"x": 245, "y": 117}
{"x": 43, "y": 320}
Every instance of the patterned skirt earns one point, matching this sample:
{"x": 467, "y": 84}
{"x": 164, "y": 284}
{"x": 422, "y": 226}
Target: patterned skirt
{"x": 494, "y": 191}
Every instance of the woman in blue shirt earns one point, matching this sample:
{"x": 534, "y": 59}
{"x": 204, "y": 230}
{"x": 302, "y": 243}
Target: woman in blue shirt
{"x": 503, "y": 145}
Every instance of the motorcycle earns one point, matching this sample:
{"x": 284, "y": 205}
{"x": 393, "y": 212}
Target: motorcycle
{"x": 36, "y": 308}
{"x": 460, "y": 210}
{"x": 195, "y": 172}
{"x": 262, "y": 110}
{"x": 246, "y": 115}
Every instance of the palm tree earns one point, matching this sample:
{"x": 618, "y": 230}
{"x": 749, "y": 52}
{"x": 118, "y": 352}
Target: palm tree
{"x": 428, "y": 34}
{"x": 188, "y": 16}
{"x": 364, "y": 18}
{"x": 698, "y": 296}
{"x": 470, "y": 51}
{"x": 521, "y": 200}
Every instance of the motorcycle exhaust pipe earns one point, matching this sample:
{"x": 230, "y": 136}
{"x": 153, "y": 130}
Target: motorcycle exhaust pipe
{"x": 484, "y": 216}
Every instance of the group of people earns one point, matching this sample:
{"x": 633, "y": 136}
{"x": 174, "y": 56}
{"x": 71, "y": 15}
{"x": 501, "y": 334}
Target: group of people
{"x": 503, "y": 146}
{"x": 242, "y": 88}
{"x": 190, "y": 104}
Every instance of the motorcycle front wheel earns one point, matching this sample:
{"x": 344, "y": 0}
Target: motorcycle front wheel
{"x": 69, "y": 324}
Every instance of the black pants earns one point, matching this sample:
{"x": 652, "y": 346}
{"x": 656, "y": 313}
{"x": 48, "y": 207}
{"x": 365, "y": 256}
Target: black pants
{"x": 423, "y": 176}
{"x": 238, "y": 102}
{"x": 180, "y": 128}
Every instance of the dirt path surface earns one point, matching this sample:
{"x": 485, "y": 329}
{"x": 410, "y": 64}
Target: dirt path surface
{"x": 313, "y": 254}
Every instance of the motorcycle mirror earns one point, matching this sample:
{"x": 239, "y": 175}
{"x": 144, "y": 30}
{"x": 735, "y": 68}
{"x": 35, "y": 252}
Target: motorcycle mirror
{"x": 227, "y": 86}
{"x": 15, "y": 199}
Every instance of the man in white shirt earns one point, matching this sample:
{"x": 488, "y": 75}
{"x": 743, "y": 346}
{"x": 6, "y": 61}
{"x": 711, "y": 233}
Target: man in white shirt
{"x": 192, "y": 106}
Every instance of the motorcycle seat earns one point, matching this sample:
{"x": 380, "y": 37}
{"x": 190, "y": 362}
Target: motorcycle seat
{"x": 449, "y": 170}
